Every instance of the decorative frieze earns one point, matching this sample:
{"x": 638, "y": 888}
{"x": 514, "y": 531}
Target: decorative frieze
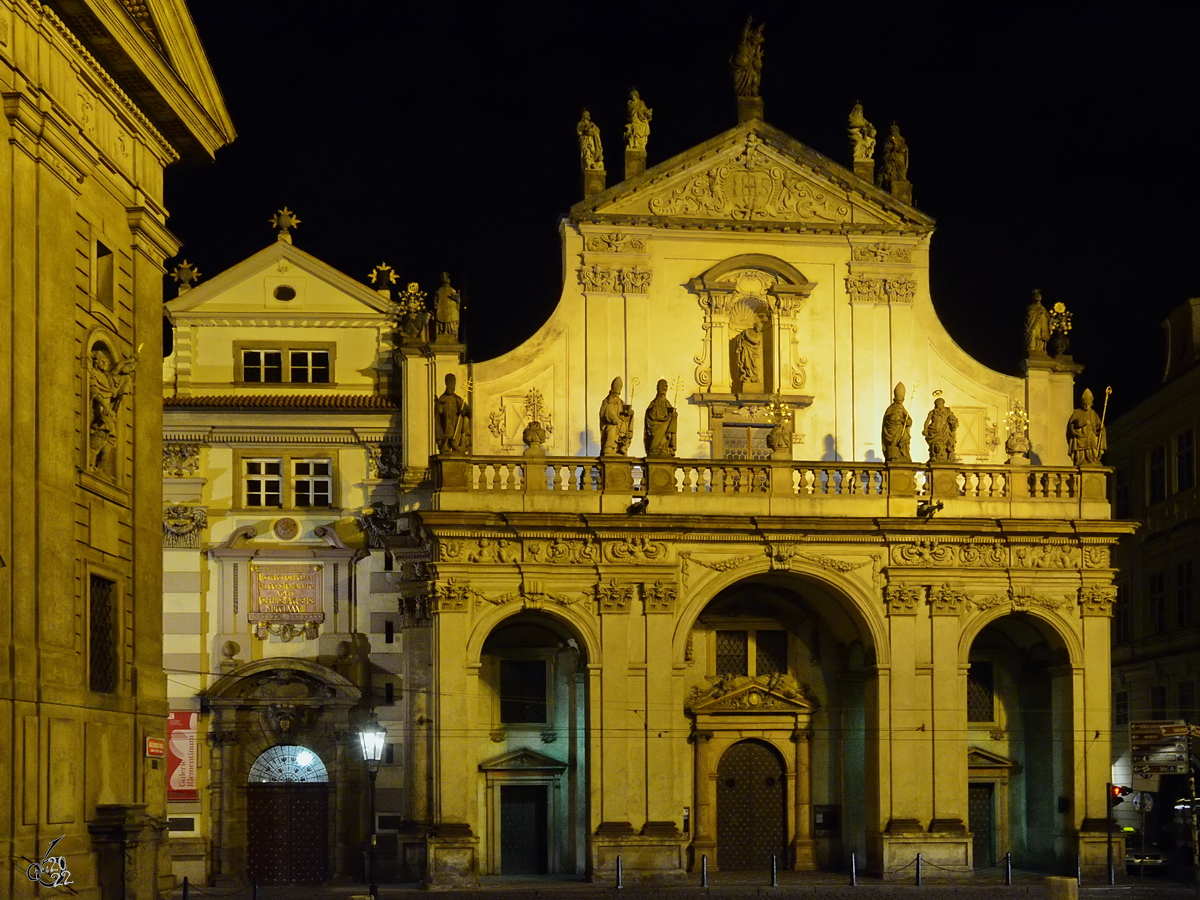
{"x": 1021, "y": 601}
{"x": 978, "y": 555}
{"x": 181, "y": 460}
{"x": 864, "y": 288}
{"x": 614, "y": 242}
{"x": 1097, "y": 600}
{"x": 503, "y": 551}
{"x": 722, "y": 565}
{"x": 635, "y": 550}
{"x": 614, "y": 597}
{"x": 881, "y": 252}
{"x": 1047, "y": 556}
{"x": 561, "y": 551}
{"x": 182, "y": 526}
{"x": 450, "y": 596}
{"x": 1095, "y": 557}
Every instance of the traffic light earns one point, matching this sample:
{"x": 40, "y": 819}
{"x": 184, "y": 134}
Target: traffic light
{"x": 1117, "y": 794}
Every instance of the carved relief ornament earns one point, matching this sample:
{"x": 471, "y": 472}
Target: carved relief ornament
{"x": 1097, "y": 600}
{"x": 181, "y": 460}
{"x": 379, "y": 524}
{"x": 635, "y": 550}
{"x": 659, "y": 597}
{"x": 753, "y": 185}
{"x": 864, "y": 288}
{"x": 1047, "y": 556}
{"x": 946, "y": 601}
{"x": 607, "y": 280}
{"x": 902, "y": 600}
{"x": 561, "y": 551}
{"x": 383, "y": 461}
{"x": 182, "y": 526}
{"x": 614, "y": 242}
{"x": 935, "y": 554}
{"x": 882, "y": 252}
{"x": 614, "y": 597}
{"x": 1020, "y": 601}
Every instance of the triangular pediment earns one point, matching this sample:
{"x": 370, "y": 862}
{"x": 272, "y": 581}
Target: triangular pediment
{"x": 747, "y": 694}
{"x": 249, "y": 288}
{"x": 753, "y": 173}
{"x": 523, "y": 759}
{"x": 978, "y": 758}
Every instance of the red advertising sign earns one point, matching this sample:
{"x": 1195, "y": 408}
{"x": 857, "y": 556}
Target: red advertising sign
{"x": 155, "y": 748}
{"x": 181, "y": 756}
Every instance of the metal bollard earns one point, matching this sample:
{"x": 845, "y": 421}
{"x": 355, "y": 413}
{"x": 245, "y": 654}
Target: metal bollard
{"x": 853, "y": 869}
{"x": 704, "y": 871}
{"x": 185, "y": 887}
{"x": 1079, "y": 871}
{"x": 620, "y": 873}
{"x": 774, "y": 871}
{"x": 918, "y": 870}
{"x": 1008, "y": 868}
{"x": 254, "y": 886}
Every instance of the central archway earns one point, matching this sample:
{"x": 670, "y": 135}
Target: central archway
{"x": 751, "y": 806}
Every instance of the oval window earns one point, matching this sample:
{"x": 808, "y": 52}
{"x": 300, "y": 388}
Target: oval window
{"x": 284, "y": 292}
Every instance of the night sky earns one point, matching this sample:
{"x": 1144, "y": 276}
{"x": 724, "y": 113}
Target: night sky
{"x": 1057, "y": 149}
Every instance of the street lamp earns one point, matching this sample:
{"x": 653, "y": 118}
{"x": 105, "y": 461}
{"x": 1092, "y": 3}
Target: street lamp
{"x": 371, "y": 737}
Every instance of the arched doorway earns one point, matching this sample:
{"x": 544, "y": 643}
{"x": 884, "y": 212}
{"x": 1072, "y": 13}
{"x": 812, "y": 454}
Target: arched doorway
{"x": 534, "y": 676}
{"x": 287, "y": 814}
{"x": 1020, "y": 735}
{"x": 751, "y": 806}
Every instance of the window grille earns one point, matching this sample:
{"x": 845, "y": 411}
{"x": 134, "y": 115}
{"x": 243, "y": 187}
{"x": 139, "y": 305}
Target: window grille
{"x": 770, "y": 653}
{"x": 264, "y": 482}
{"x": 733, "y": 656}
{"x": 102, "y": 645}
{"x": 523, "y": 691}
{"x": 981, "y": 693}
{"x": 1121, "y": 708}
{"x": 745, "y": 441}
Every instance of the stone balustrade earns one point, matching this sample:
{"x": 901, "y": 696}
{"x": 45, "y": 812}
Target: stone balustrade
{"x": 766, "y": 487}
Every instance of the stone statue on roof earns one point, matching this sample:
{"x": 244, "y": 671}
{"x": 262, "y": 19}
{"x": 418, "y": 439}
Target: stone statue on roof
{"x": 637, "y": 129}
{"x": 1086, "y": 437}
{"x": 1037, "y": 328}
{"x": 746, "y": 64}
{"x": 895, "y": 161}
{"x": 862, "y": 135}
{"x": 591, "y": 151}
{"x": 446, "y": 306}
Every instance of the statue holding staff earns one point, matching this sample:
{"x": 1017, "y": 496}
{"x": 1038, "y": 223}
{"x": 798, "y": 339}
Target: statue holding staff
{"x": 1086, "y": 438}
{"x": 616, "y": 422}
{"x": 452, "y": 420}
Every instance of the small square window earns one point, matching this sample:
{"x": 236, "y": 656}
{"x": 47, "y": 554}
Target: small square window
{"x": 264, "y": 482}
{"x": 312, "y": 482}
{"x": 309, "y": 366}
{"x": 262, "y": 366}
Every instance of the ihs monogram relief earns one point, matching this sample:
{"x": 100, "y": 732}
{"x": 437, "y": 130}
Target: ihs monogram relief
{"x": 751, "y": 186}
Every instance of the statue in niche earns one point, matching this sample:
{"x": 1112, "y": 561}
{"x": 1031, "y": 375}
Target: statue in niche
{"x": 616, "y": 422}
{"x": 637, "y": 129}
{"x": 591, "y": 151}
{"x": 1037, "y": 328}
{"x": 661, "y": 424}
{"x": 447, "y": 303}
{"x": 746, "y": 64}
{"x": 749, "y": 349}
{"x": 452, "y": 420}
{"x": 1086, "y": 437}
{"x": 896, "y": 425}
{"x": 941, "y": 432}
{"x": 895, "y": 160}
{"x": 108, "y": 383}
{"x": 862, "y": 135}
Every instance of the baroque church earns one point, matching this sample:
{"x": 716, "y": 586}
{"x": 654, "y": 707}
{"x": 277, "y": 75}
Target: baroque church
{"x": 739, "y": 556}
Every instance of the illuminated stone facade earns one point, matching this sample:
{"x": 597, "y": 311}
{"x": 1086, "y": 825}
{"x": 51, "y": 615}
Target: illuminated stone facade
{"x": 99, "y": 97}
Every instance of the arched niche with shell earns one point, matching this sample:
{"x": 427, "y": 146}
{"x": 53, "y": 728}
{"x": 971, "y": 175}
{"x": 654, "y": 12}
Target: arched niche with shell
{"x": 750, "y": 305}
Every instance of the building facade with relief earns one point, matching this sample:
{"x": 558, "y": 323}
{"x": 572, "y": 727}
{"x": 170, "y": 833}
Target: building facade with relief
{"x": 100, "y": 97}
{"x": 280, "y": 456}
{"x": 1156, "y": 629}
{"x": 671, "y": 581}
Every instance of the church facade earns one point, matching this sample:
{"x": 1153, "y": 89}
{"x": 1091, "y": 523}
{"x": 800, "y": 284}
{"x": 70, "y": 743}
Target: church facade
{"x": 740, "y": 556}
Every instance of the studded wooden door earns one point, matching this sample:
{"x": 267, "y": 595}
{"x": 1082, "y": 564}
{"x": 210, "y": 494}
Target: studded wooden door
{"x": 981, "y": 818}
{"x": 523, "y": 835}
{"x": 751, "y": 808}
{"x": 288, "y": 833}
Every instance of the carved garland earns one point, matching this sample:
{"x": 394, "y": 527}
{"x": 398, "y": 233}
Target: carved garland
{"x": 182, "y": 526}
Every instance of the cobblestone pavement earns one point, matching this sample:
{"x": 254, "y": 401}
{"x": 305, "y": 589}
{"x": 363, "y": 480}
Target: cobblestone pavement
{"x": 724, "y": 886}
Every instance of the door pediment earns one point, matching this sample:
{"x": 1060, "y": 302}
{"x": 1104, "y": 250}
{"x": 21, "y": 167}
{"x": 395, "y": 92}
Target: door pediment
{"x": 524, "y": 760}
{"x": 749, "y": 694}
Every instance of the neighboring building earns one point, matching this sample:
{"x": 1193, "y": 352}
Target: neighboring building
{"x": 280, "y": 447}
{"x": 1156, "y": 630}
{"x": 100, "y": 97}
{"x": 757, "y": 638}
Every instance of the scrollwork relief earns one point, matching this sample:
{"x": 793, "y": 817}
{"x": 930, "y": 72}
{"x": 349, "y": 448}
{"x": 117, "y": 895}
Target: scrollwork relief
{"x": 900, "y": 290}
{"x": 614, "y": 242}
{"x": 723, "y": 565}
{"x": 606, "y": 280}
{"x": 181, "y": 460}
{"x": 182, "y": 526}
{"x": 932, "y": 553}
{"x": 562, "y": 551}
{"x": 1047, "y": 556}
{"x": 635, "y": 550}
{"x": 864, "y": 289}
{"x": 1021, "y": 601}
{"x": 881, "y": 252}
{"x": 1095, "y": 557}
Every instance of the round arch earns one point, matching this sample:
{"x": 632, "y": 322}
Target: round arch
{"x": 871, "y": 631}
{"x": 1049, "y": 623}
{"x": 785, "y": 270}
{"x": 579, "y": 628}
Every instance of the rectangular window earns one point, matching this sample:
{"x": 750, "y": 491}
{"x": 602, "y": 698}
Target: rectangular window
{"x": 1185, "y": 461}
{"x": 1122, "y": 617}
{"x": 523, "y": 691}
{"x": 981, "y": 693}
{"x": 733, "y": 653}
{"x": 262, "y": 366}
{"x": 389, "y": 693}
{"x": 102, "y": 639}
{"x": 389, "y": 754}
{"x": 312, "y": 481}
{"x": 264, "y": 482}
{"x": 1121, "y": 708}
{"x": 1156, "y": 601}
{"x": 1121, "y": 496}
{"x": 770, "y": 653}
{"x": 389, "y": 632}
{"x": 1156, "y": 474}
{"x": 745, "y": 441}
{"x": 105, "y": 274}
{"x": 1185, "y": 594}
{"x": 286, "y": 365}
{"x": 1158, "y": 701}
{"x": 1187, "y": 700}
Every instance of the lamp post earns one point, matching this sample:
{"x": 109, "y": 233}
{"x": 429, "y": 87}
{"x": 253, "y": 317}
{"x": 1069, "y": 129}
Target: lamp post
{"x": 371, "y": 737}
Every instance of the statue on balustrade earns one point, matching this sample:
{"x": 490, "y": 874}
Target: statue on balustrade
{"x": 1037, "y": 328}
{"x": 941, "y": 432}
{"x": 896, "y": 425}
{"x": 661, "y": 424}
{"x": 452, "y": 420}
{"x": 1085, "y": 433}
{"x": 616, "y": 422}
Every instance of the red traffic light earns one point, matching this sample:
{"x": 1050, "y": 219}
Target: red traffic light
{"x": 1117, "y": 793}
